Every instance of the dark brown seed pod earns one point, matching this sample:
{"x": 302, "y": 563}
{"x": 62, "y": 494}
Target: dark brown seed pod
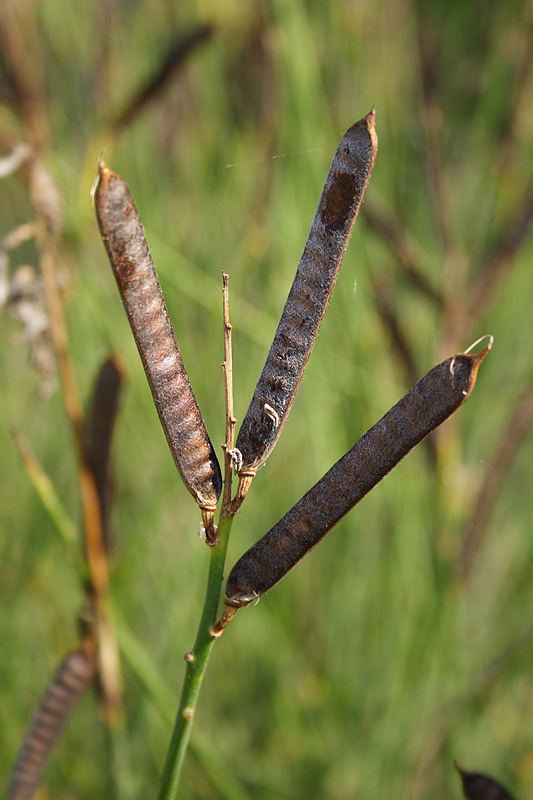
{"x": 432, "y": 400}
{"x": 73, "y": 677}
{"x": 309, "y": 296}
{"x": 477, "y": 786}
{"x": 99, "y": 434}
{"x": 125, "y": 242}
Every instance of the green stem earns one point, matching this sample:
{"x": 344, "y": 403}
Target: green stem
{"x": 196, "y": 666}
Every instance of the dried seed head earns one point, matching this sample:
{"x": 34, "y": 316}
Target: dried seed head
{"x": 125, "y": 242}
{"x": 317, "y": 272}
{"x": 432, "y": 400}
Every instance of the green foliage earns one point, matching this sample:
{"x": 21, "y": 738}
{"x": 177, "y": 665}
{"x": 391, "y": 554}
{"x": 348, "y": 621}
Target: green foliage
{"x": 372, "y": 665}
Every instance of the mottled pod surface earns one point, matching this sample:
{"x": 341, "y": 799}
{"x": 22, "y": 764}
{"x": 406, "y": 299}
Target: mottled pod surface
{"x": 182, "y": 422}
{"x": 311, "y": 290}
{"x": 432, "y": 400}
{"x": 73, "y": 677}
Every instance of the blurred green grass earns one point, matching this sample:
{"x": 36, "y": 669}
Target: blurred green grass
{"x": 364, "y": 673}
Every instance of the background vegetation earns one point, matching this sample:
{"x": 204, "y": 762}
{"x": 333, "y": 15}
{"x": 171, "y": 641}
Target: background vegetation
{"x": 379, "y": 659}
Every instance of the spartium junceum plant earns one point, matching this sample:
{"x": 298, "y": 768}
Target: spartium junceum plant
{"x": 432, "y": 400}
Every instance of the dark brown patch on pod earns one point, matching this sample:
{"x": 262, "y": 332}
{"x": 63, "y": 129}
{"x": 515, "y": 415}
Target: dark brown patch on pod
{"x": 432, "y": 400}
{"x": 73, "y": 677}
{"x": 309, "y": 296}
{"x": 125, "y": 242}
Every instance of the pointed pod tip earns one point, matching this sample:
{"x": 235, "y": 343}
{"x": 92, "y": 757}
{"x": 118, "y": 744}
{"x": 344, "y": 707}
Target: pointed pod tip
{"x": 368, "y": 122}
{"x": 473, "y": 359}
{"x": 102, "y": 170}
{"x": 478, "y": 357}
{"x": 362, "y": 137}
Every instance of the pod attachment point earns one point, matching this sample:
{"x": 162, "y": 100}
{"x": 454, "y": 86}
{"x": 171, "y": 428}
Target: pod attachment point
{"x": 218, "y": 629}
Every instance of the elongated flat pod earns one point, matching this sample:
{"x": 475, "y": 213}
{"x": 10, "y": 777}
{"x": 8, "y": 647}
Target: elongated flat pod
{"x": 99, "y": 434}
{"x": 73, "y": 677}
{"x": 309, "y": 296}
{"x": 125, "y": 242}
{"x": 432, "y": 400}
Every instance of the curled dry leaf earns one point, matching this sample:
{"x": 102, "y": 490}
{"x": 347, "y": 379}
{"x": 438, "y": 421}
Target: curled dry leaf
{"x": 125, "y": 242}
{"x": 309, "y": 296}
{"x": 73, "y": 677}
{"x": 432, "y": 400}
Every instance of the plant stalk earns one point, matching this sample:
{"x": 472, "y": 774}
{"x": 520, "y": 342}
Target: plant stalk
{"x": 196, "y": 665}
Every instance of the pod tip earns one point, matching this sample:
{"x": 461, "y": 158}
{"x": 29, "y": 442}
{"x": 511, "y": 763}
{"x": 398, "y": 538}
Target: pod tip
{"x": 478, "y": 357}
{"x": 101, "y": 169}
{"x": 488, "y": 346}
{"x": 474, "y": 359}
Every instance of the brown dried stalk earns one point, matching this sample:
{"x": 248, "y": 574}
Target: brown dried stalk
{"x": 308, "y": 299}
{"x": 47, "y": 204}
{"x": 432, "y": 400}
{"x": 125, "y": 242}
{"x": 231, "y": 421}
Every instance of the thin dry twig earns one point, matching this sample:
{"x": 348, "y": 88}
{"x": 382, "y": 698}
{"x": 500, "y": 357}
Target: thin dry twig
{"x": 231, "y": 420}
{"x": 28, "y": 96}
{"x": 46, "y": 202}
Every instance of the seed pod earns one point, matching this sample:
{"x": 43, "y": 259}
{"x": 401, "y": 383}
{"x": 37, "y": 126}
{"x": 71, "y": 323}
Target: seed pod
{"x": 309, "y": 296}
{"x": 99, "y": 434}
{"x": 125, "y": 242}
{"x": 73, "y": 677}
{"x": 477, "y": 786}
{"x": 432, "y": 400}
